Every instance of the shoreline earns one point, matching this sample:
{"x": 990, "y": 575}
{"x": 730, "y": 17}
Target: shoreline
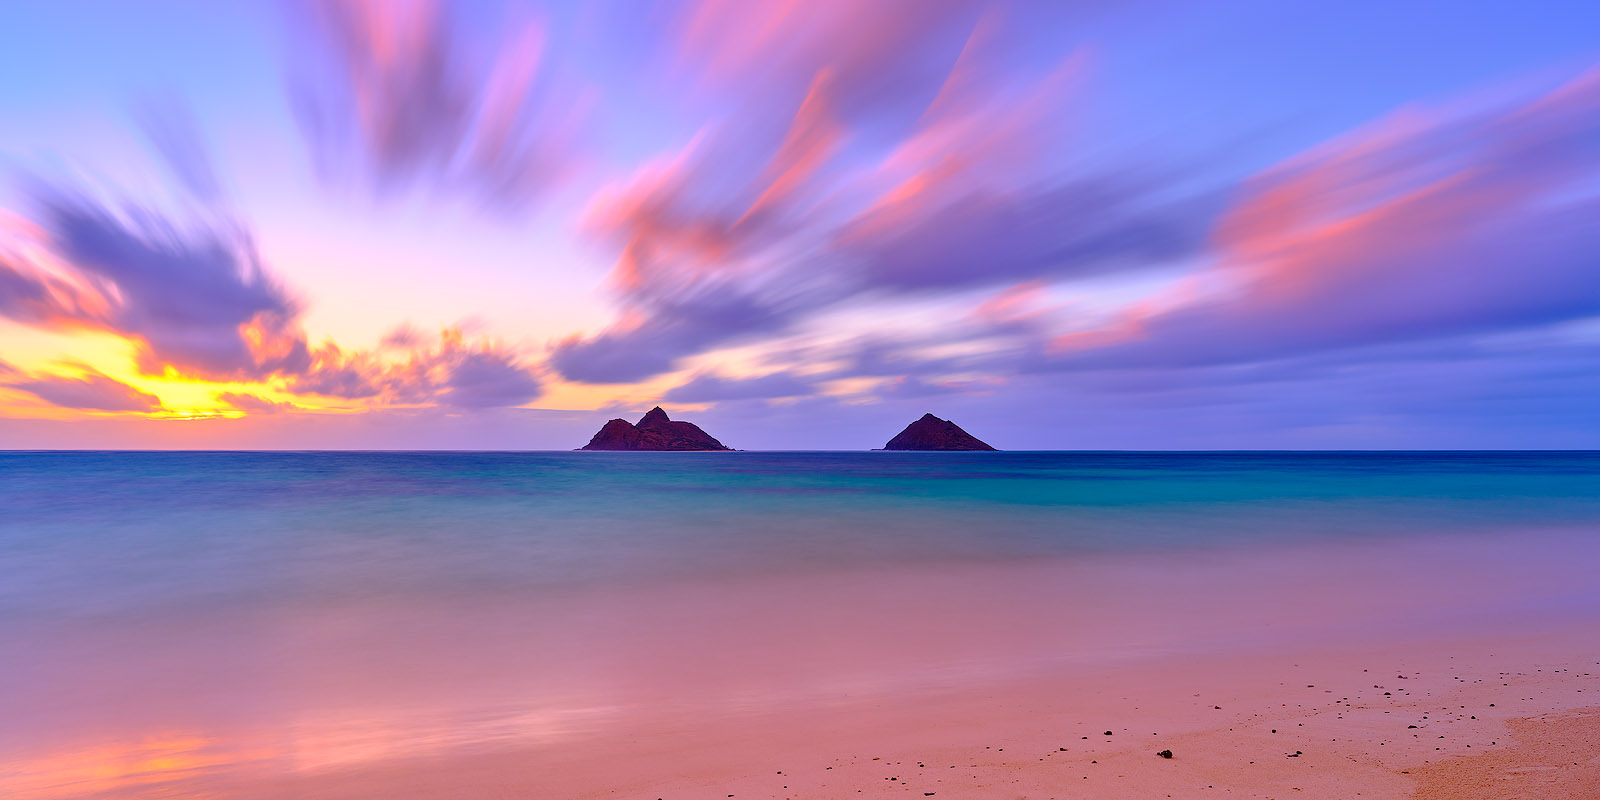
{"x": 827, "y": 684}
{"x": 1262, "y": 725}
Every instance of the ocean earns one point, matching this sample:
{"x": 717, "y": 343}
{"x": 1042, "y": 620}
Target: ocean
{"x": 231, "y": 611}
{"x": 130, "y": 533}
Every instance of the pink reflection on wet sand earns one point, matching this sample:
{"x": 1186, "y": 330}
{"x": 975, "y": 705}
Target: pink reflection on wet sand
{"x": 225, "y": 699}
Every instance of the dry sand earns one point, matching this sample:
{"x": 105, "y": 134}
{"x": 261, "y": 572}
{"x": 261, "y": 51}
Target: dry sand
{"x": 1552, "y": 757}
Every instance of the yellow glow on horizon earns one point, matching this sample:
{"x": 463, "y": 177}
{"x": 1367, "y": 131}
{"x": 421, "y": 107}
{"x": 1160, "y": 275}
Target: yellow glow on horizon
{"x": 70, "y": 354}
{"x": 33, "y": 349}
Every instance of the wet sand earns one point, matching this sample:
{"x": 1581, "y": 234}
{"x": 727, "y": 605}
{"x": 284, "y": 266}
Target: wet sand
{"x": 1444, "y": 668}
{"x": 1493, "y": 717}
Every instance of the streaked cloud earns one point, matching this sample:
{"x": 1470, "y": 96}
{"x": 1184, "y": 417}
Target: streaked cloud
{"x": 194, "y": 296}
{"x": 406, "y": 93}
{"x": 174, "y": 134}
{"x": 851, "y": 189}
{"x": 89, "y": 390}
{"x": 787, "y": 213}
{"x": 710, "y": 388}
{"x": 254, "y": 404}
{"x": 1429, "y": 224}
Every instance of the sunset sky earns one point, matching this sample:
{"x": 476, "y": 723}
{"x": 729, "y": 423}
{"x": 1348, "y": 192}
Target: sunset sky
{"x": 1076, "y": 224}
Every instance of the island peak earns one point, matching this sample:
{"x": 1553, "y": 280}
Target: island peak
{"x": 931, "y": 433}
{"x": 655, "y": 431}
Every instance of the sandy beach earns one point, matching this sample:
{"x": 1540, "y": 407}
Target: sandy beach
{"x": 714, "y": 399}
{"x": 1497, "y": 716}
{"x": 1433, "y": 668}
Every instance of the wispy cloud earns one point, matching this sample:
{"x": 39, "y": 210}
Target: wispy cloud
{"x": 405, "y": 92}
{"x": 1448, "y": 225}
{"x": 196, "y": 298}
{"x": 875, "y": 151}
{"x": 90, "y": 390}
{"x": 254, "y": 404}
{"x": 1427, "y": 225}
{"x": 710, "y": 388}
{"x": 192, "y": 295}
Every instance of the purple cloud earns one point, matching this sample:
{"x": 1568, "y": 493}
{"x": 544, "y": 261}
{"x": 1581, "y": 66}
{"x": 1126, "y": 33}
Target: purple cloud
{"x": 455, "y": 372}
{"x": 191, "y": 293}
{"x": 912, "y": 387}
{"x": 810, "y": 197}
{"x": 1421, "y": 228}
{"x": 677, "y": 324}
{"x": 1075, "y": 229}
{"x": 488, "y": 380}
{"x": 711, "y": 388}
{"x": 198, "y": 301}
{"x": 254, "y": 404}
{"x": 193, "y": 298}
{"x": 174, "y": 134}
{"x": 401, "y": 89}
{"x": 335, "y": 373}
{"x": 92, "y": 390}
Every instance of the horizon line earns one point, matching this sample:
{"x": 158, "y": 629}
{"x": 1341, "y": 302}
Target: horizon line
{"x": 16, "y": 451}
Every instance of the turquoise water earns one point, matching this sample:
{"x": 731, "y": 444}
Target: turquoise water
{"x": 171, "y": 623}
{"x": 131, "y": 533}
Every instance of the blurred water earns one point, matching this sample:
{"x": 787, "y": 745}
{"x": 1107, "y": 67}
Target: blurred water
{"x": 130, "y": 533}
{"x": 175, "y": 622}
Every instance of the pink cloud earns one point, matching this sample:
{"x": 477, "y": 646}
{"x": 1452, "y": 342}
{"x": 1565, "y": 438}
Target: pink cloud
{"x": 882, "y": 54}
{"x": 455, "y": 372}
{"x": 254, "y": 404}
{"x": 1424, "y": 225}
{"x": 878, "y": 149}
{"x": 1017, "y": 303}
{"x": 194, "y": 298}
{"x": 812, "y": 139}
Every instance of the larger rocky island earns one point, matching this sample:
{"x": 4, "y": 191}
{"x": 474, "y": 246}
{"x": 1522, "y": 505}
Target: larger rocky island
{"x": 654, "y": 432}
{"x": 932, "y": 433}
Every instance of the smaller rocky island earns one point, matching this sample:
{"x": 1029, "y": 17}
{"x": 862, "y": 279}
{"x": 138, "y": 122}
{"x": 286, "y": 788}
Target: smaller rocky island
{"x": 654, "y": 432}
{"x": 932, "y": 433}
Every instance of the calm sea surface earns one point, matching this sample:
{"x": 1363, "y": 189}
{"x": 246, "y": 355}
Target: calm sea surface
{"x": 124, "y": 533}
{"x": 196, "y": 624}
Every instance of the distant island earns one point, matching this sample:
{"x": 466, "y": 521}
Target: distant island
{"x": 932, "y": 433}
{"x": 654, "y": 432}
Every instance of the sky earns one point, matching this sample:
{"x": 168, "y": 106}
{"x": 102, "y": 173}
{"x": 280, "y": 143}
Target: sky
{"x": 1086, "y": 224}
